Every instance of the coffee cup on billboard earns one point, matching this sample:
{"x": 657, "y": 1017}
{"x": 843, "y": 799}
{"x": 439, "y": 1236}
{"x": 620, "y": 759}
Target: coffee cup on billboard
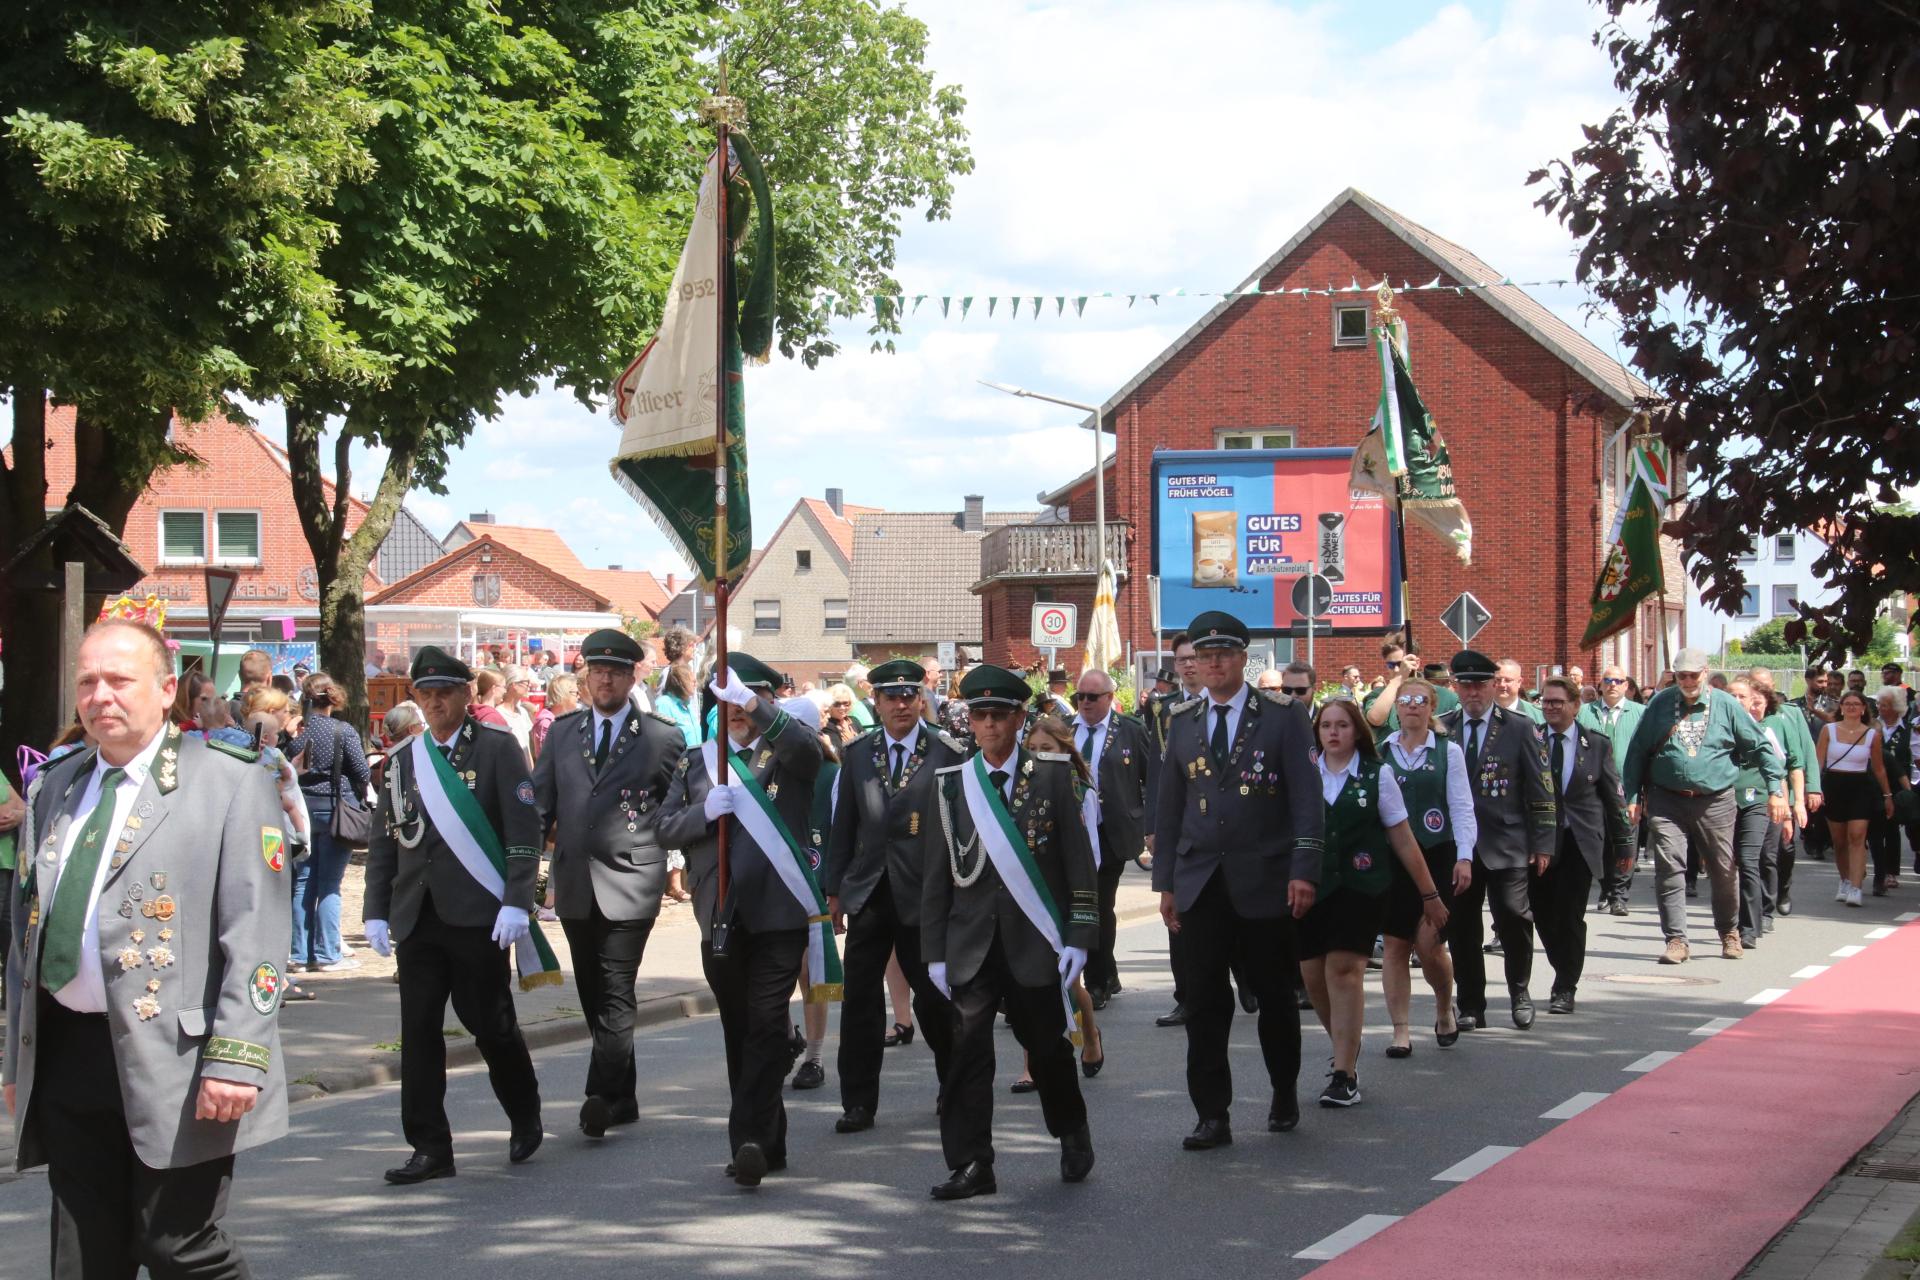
{"x": 1208, "y": 573}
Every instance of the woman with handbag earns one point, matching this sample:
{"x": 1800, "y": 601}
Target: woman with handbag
{"x": 333, "y": 778}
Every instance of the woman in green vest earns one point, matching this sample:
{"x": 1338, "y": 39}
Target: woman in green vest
{"x": 1366, "y": 830}
{"x": 1434, "y": 784}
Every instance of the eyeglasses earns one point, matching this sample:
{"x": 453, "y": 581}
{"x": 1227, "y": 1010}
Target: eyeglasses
{"x": 990, "y": 713}
{"x": 1412, "y": 700}
{"x": 1178, "y": 659}
{"x": 842, "y": 704}
{"x": 1297, "y": 690}
{"x": 1079, "y": 698}
{"x": 1546, "y": 703}
{"x": 1613, "y": 679}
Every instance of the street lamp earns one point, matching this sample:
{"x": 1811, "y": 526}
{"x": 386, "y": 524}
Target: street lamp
{"x": 1099, "y": 480}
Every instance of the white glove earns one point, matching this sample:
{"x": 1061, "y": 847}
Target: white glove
{"x": 377, "y": 937}
{"x": 1072, "y": 961}
{"x": 719, "y": 802}
{"x": 732, "y": 691}
{"x": 937, "y": 975}
{"x": 510, "y": 926}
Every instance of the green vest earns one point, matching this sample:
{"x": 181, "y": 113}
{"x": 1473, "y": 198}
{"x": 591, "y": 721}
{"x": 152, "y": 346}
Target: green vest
{"x": 1357, "y": 856}
{"x": 1425, "y": 790}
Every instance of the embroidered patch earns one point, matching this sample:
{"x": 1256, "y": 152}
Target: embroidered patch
{"x": 263, "y": 989}
{"x": 524, "y": 792}
{"x": 1363, "y": 861}
{"x": 273, "y": 848}
{"x": 813, "y": 857}
{"x": 238, "y": 1052}
{"x": 1435, "y": 820}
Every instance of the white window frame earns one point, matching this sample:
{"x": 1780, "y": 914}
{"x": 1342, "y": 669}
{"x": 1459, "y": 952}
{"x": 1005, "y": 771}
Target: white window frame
{"x": 759, "y": 622}
{"x": 259, "y": 539}
{"x": 1785, "y": 548}
{"x": 1773, "y": 599}
{"x": 827, "y": 618}
{"x": 1340, "y": 309}
{"x": 1752, "y": 593}
{"x": 160, "y": 531}
{"x": 1254, "y": 437}
{"x": 1751, "y": 555}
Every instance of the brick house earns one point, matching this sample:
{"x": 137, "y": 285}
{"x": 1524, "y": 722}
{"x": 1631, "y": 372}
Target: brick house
{"x": 790, "y": 607}
{"x": 913, "y": 580}
{"x": 483, "y": 592}
{"x": 1537, "y": 418}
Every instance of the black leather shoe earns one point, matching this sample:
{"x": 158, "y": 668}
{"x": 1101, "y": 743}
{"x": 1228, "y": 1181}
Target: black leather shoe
{"x": 856, "y": 1120}
{"x": 1249, "y": 1001}
{"x": 625, "y": 1113}
{"x": 1447, "y": 1039}
{"x": 1784, "y": 906}
{"x": 595, "y": 1116}
{"x": 1495, "y": 948}
{"x": 524, "y": 1142}
{"x": 1522, "y": 1010}
{"x": 749, "y": 1165}
{"x": 1209, "y": 1134}
{"x": 1174, "y": 1017}
{"x": 1023, "y": 1084}
{"x": 902, "y": 1033}
{"x": 1618, "y": 906}
{"x": 1076, "y": 1155}
{"x": 775, "y": 1164}
{"x": 421, "y": 1167}
{"x": 1560, "y": 1002}
{"x": 811, "y": 1075}
{"x": 971, "y": 1179}
{"x": 1284, "y": 1115}
{"x": 1100, "y": 996}
{"x": 1469, "y": 1021}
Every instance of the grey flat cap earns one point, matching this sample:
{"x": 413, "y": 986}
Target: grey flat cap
{"x": 1690, "y": 660}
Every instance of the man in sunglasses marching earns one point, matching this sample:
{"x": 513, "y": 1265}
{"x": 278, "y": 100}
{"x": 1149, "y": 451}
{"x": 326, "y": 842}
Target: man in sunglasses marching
{"x": 1125, "y": 771}
{"x": 1616, "y": 715}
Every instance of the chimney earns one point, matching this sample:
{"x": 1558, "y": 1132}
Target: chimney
{"x": 613, "y": 568}
{"x": 837, "y": 501}
{"x": 974, "y": 518}
{"x": 481, "y": 517}
{"x": 673, "y": 585}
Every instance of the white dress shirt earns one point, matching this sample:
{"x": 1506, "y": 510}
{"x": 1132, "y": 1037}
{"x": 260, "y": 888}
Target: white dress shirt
{"x": 909, "y": 742}
{"x": 1096, "y": 735}
{"x": 87, "y": 992}
{"x": 1466, "y": 826}
{"x": 619, "y": 721}
{"x": 1010, "y": 768}
{"x": 1393, "y": 808}
{"x": 1235, "y": 705}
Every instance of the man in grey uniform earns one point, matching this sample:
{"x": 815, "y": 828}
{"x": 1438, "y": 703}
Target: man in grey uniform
{"x": 599, "y": 784}
{"x": 151, "y": 925}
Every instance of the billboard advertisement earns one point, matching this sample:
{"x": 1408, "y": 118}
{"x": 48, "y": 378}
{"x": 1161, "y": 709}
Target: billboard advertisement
{"x": 1240, "y": 529}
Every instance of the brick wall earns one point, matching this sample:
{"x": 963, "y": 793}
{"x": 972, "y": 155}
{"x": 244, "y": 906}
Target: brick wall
{"x": 523, "y": 583}
{"x": 1008, "y": 615}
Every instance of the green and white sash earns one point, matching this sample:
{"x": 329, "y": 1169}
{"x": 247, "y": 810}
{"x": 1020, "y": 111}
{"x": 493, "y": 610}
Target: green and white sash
{"x": 825, "y": 979}
{"x": 1014, "y": 863}
{"x": 463, "y": 824}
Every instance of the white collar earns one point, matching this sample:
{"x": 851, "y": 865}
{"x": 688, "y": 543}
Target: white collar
{"x": 1012, "y": 764}
{"x": 448, "y": 744}
{"x": 140, "y": 766}
{"x": 1236, "y": 702}
{"x": 617, "y": 717}
{"x": 909, "y": 742}
{"x": 1399, "y": 739}
{"x": 1080, "y": 724}
{"x": 1352, "y": 766}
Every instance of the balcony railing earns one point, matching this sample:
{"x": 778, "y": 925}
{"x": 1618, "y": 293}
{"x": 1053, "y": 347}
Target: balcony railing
{"x": 1049, "y": 551}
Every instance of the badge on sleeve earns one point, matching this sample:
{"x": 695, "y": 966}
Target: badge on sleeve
{"x": 524, "y": 792}
{"x": 273, "y": 847}
{"x": 263, "y": 989}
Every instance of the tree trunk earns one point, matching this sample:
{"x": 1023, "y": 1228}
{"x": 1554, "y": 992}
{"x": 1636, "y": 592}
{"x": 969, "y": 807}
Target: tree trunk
{"x": 29, "y": 615}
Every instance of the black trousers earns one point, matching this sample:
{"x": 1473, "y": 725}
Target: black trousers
{"x": 111, "y": 1213}
{"x": 1883, "y": 838}
{"x": 1615, "y": 885}
{"x": 1217, "y": 941}
{"x": 1752, "y": 835}
{"x": 1103, "y": 970}
{"x": 752, "y": 984}
{"x": 1784, "y": 856}
{"x": 462, "y": 963}
{"x": 606, "y": 961}
{"x": 1505, "y": 891}
{"x": 875, "y": 933}
{"x": 1040, "y": 1025}
{"x": 1559, "y": 902}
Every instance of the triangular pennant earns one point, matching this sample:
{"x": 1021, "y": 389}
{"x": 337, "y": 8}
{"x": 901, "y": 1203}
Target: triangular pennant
{"x": 1059, "y": 305}
{"x": 918, "y": 298}
{"x": 1130, "y": 300}
{"x": 1015, "y": 313}
{"x": 1036, "y": 306}
{"x": 946, "y": 305}
{"x": 992, "y": 302}
{"x": 1154, "y": 298}
{"x": 966, "y": 305}
{"x": 1079, "y": 306}
{"x": 882, "y": 308}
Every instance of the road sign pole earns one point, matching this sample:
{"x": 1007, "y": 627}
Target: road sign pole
{"x": 1316, "y": 573}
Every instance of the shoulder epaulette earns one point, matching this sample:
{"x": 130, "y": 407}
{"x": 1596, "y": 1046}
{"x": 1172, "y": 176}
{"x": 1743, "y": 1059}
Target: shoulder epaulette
{"x": 497, "y": 728}
{"x": 568, "y": 715}
{"x": 1057, "y": 757}
{"x": 951, "y": 768}
{"x": 669, "y": 721}
{"x": 1274, "y": 695}
{"x": 1186, "y": 704}
{"x": 953, "y": 743}
{"x": 247, "y": 754}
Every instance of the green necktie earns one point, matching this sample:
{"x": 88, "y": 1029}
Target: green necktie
{"x": 1559, "y": 759}
{"x": 67, "y": 922}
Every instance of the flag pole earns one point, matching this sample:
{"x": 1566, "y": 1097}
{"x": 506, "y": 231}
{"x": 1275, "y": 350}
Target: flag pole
{"x": 1387, "y": 317}
{"x": 1641, "y": 439}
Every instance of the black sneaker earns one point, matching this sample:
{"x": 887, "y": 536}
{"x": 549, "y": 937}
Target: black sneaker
{"x": 811, "y": 1075}
{"x": 1342, "y": 1090}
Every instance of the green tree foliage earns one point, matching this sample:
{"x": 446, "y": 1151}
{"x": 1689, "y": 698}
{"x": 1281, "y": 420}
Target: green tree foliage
{"x": 1748, "y": 214}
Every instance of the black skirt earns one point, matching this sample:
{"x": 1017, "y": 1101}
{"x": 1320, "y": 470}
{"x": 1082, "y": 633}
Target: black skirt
{"x": 1851, "y": 797}
{"x": 1344, "y": 920}
{"x": 1403, "y": 899}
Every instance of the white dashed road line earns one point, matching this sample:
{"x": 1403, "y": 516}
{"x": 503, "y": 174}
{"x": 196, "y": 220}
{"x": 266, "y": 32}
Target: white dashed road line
{"x": 1886, "y": 931}
{"x": 1652, "y": 1060}
{"x": 1768, "y": 996}
{"x": 1348, "y": 1236}
{"x": 1713, "y": 1028}
{"x": 1810, "y": 971}
{"x": 1907, "y": 917}
{"x": 1845, "y": 952}
{"x": 1573, "y": 1106}
{"x": 1479, "y": 1162}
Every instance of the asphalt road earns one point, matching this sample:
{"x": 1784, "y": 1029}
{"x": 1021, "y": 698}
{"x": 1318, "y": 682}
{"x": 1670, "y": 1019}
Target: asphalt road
{"x": 653, "y": 1196}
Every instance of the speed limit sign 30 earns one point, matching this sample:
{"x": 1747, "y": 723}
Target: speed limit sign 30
{"x": 1054, "y": 625}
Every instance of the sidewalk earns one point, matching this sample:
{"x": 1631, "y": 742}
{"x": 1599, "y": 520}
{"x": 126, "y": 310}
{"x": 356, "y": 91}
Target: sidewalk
{"x": 1844, "y": 1234}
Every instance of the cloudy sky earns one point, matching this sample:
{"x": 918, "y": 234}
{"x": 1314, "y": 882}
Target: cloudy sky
{"x": 1133, "y": 146}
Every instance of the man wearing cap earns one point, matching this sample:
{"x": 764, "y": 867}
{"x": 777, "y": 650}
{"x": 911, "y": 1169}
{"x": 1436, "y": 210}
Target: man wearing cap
{"x": 1686, "y": 753}
{"x": 1126, "y": 775}
{"x": 1007, "y": 916}
{"x": 450, "y": 874}
{"x": 599, "y": 785}
{"x": 753, "y": 936}
{"x": 1057, "y": 684}
{"x": 1513, "y": 805}
{"x": 872, "y": 876}
{"x": 1238, "y": 844}
{"x": 1616, "y": 715}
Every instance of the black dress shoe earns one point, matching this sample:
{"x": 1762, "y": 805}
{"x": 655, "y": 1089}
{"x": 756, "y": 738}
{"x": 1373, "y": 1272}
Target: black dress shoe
{"x": 1447, "y": 1039}
{"x": 1522, "y": 1010}
{"x": 595, "y": 1116}
{"x": 811, "y": 1075}
{"x": 1469, "y": 1021}
{"x": 1114, "y": 988}
{"x": 1209, "y": 1134}
{"x": 971, "y": 1179}
{"x": 749, "y": 1165}
{"x": 627, "y": 1112}
{"x": 1076, "y": 1155}
{"x": 1249, "y": 1001}
{"x": 1560, "y": 1002}
{"x": 1399, "y": 1051}
{"x": 856, "y": 1120}
{"x": 902, "y": 1033}
{"x": 1099, "y": 996}
{"x": 1284, "y": 1115}
{"x": 421, "y": 1167}
{"x": 775, "y": 1164}
{"x": 1174, "y": 1017}
{"x": 524, "y": 1142}
{"x": 1618, "y": 906}
{"x": 1495, "y": 948}
{"x": 1023, "y": 1084}
{"x": 1784, "y": 906}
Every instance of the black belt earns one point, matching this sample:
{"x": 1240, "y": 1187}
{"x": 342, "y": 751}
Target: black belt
{"x": 1682, "y": 791}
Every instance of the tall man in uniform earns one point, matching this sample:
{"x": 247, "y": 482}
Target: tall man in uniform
{"x": 1160, "y": 711}
{"x": 1126, "y": 774}
{"x": 872, "y": 875}
{"x": 1594, "y": 832}
{"x": 1616, "y": 715}
{"x": 599, "y": 785}
{"x": 1513, "y": 804}
{"x": 752, "y": 941}
{"x": 1681, "y": 765}
{"x": 1007, "y": 916}
{"x": 1239, "y": 823}
{"x": 150, "y": 923}
{"x": 450, "y": 873}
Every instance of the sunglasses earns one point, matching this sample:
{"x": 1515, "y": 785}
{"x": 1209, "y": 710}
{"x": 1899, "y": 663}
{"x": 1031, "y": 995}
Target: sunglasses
{"x": 1412, "y": 699}
{"x": 842, "y": 704}
{"x": 1613, "y": 679}
{"x": 1297, "y": 690}
{"x": 990, "y": 713}
{"x": 1089, "y": 697}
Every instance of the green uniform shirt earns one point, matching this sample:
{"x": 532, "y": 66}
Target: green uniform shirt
{"x": 1618, "y": 723}
{"x": 1803, "y": 736}
{"x": 1750, "y": 788}
{"x": 1444, "y": 701}
{"x": 1697, "y": 748}
{"x": 1522, "y": 707}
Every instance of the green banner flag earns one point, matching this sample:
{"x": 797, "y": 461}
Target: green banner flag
{"x": 1404, "y": 458}
{"x": 1631, "y": 572}
{"x": 664, "y": 400}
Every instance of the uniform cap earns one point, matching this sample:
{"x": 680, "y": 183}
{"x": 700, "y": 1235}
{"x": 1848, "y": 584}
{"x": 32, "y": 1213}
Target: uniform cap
{"x": 1471, "y": 664}
{"x": 990, "y": 686}
{"x": 1218, "y": 630}
{"x": 435, "y": 668}
{"x": 610, "y": 644}
{"x": 901, "y": 674}
{"x": 754, "y": 673}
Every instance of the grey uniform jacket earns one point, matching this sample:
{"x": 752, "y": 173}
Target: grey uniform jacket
{"x": 879, "y": 829}
{"x": 785, "y": 762}
{"x": 1128, "y": 780}
{"x": 407, "y": 859}
{"x": 1592, "y": 808}
{"x": 1258, "y": 821}
{"x": 1512, "y": 790}
{"x": 194, "y": 923}
{"x": 605, "y": 851}
{"x": 958, "y": 925}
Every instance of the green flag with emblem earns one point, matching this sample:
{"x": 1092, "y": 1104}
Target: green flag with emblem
{"x": 1631, "y": 572}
